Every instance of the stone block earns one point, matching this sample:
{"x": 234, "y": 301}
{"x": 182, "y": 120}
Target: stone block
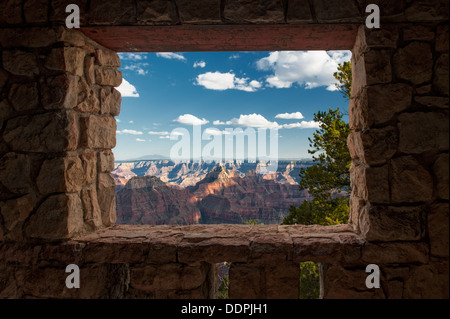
{"x": 395, "y": 253}
{"x": 3, "y": 78}
{"x": 420, "y": 132}
{"x": 47, "y": 132}
{"x": 37, "y": 37}
{"x": 440, "y": 170}
{"x": 89, "y": 163}
{"x": 299, "y": 11}
{"x": 91, "y": 210}
{"x": 20, "y": 63}
{"x": 105, "y": 161}
{"x": 373, "y": 67}
{"x": 440, "y": 79}
{"x": 374, "y": 146}
{"x": 418, "y": 33}
{"x": 59, "y": 92}
{"x": 438, "y": 229}
{"x": 115, "y": 12}
{"x": 156, "y": 12}
{"x": 385, "y": 223}
{"x": 24, "y": 97}
{"x": 109, "y": 77}
{"x": 337, "y": 11}
{"x": 410, "y": 181}
{"x": 11, "y": 12}
{"x": 427, "y": 11}
{"x": 60, "y": 216}
{"x": 433, "y": 101}
{"x": 60, "y": 175}
{"x": 202, "y": 11}
{"x": 110, "y": 101}
{"x": 70, "y": 59}
{"x": 15, "y": 173}
{"x": 98, "y": 131}
{"x": 89, "y": 70}
{"x": 341, "y": 283}
{"x": 442, "y": 38}
{"x": 14, "y": 212}
{"x": 5, "y": 111}
{"x": 370, "y": 183}
{"x": 36, "y": 11}
{"x": 107, "y": 58}
{"x": 414, "y": 63}
{"x": 245, "y": 281}
{"x": 427, "y": 282}
{"x": 106, "y": 191}
{"x": 254, "y": 11}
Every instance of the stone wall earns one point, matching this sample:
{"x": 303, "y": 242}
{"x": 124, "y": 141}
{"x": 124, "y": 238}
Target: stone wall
{"x": 57, "y": 128}
{"x": 399, "y": 144}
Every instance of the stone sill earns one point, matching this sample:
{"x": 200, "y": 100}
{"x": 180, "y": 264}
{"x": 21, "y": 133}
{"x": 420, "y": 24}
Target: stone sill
{"x": 218, "y": 243}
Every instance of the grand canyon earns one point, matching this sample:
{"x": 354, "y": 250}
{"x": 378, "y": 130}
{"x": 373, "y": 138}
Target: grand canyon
{"x": 164, "y": 192}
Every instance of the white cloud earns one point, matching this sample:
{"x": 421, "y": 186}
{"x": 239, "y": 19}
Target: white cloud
{"x": 234, "y": 56}
{"x": 302, "y": 125}
{"x": 171, "y": 56}
{"x": 138, "y": 68}
{"x": 189, "y": 119}
{"x": 127, "y": 89}
{"x": 253, "y": 120}
{"x": 217, "y": 122}
{"x": 309, "y": 69}
{"x": 132, "y": 132}
{"x": 199, "y": 64}
{"x": 158, "y": 133}
{"x": 164, "y": 137}
{"x": 140, "y": 140}
{"x": 226, "y": 81}
{"x": 133, "y": 56}
{"x": 290, "y": 116}
{"x": 130, "y": 122}
{"x": 117, "y": 120}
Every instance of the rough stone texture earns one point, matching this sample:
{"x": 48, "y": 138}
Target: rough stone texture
{"x": 20, "y": 63}
{"x": 254, "y": 11}
{"x": 414, "y": 63}
{"x": 440, "y": 169}
{"x": 411, "y": 182}
{"x": 156, "y": 12}
{"x": 420, "y": 132}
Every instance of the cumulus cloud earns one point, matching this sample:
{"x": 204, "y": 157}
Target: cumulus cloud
{"x": 309, "y": 69}
{"x": 226, "y": 81}
{"x": 171, "y": 56}
{"x": 127, "y": 89}
{"x": 253, "y": 120}
{"x": 189, "y": 119}
{"x": 303, "y": 125}
{"x": 217, "y": 122}
{"x": 140, "y": 140}
{"x": 290, "y": 116}
{"x": 164, "y": 137}
{"x": 131, "y": 132}
{"x": 199, "y": 64}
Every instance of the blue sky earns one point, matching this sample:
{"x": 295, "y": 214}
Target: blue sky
{"x": 281, "y": 90}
